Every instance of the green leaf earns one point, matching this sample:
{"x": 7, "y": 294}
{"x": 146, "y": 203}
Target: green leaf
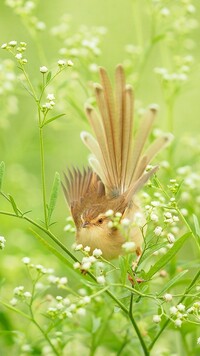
{"x": 2, "y": 170}
{"x": 173, "y": 281}
{"x": 196, "y": 225}
{"x": 53, "y": 196}
{"x": 169, "y": 255}
{"x": 48, "y": 77}
{"x": 151, "y": 249}
{"x": 52, "y": 119}
{"x": 13, "y": 204}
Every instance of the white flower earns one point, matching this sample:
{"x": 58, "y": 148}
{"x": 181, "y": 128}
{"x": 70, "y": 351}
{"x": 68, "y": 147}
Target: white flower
{"x": 13, "y": 43}
{"x": 154, "y": 217}
{"x": 26, "y": 260}
{"x": 70, "y": 63}
{"x": 86, "y": 266}
{"x": 181, "y": 307}
{"x": 198, "y": 341}
{"x": 178, "y": 322}
{"x": 93, "y": 67}
{"x": 110, "y": 224}
{"x": 155, "y": 203}
{"x": 51, "y": 97}
{"x": 97, "y": 252}
{"x": 191, "y": 9}
{"x": 168, "y": 215}
{"x": 125, "y": 222}
{"x": 129, "y": 246}
{"x": 168, "y": 297}
{"x": 27, "y": 295}
{"x": 43, "y": 69}
{"x": 156, "y": 318}
{"x": 4, "y": 45}
{"x": 87, "y": 248}
{"x": 78, "y": 247}
{"x": 26, "y": 348}
{"x": 173, "y": 310}
{"x": 2, "y": 242}
{"x": 13, "y": 301}
{"x": 40, "y": 25}
{"x": 63, "y": 280}
{"x": 158, "y": 230}
{"x": 86, "y": 299}
{"x": 109, "y": 212}
{"x": 170, "y": 238}
{"x": 101, "y": 280}
{"x": 18, "y": 56}
{"x": 118, "y": 215}
{"x": 165, "y": 12}
{"x": 81, "y": 312}
{"x": 61, "y": 62}
{"x": 18, "y": 290}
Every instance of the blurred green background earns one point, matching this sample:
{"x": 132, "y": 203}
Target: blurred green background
{"x": 127, "y": 22}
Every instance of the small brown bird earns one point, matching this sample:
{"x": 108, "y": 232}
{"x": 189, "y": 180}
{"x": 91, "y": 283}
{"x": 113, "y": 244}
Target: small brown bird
{"x": 118, "y": 168}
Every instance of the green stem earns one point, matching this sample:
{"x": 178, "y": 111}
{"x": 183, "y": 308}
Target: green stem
{"x": 180, "y": 301}
{"x": 43, "y": 176}
{"x": 46, "y": 337}
{"x": 146, "y": 352}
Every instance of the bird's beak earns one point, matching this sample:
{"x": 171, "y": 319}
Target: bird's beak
{"x": 85, "y": 224}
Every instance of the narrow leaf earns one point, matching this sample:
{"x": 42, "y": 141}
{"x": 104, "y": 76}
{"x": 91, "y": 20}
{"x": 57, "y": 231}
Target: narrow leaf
{"x": 196, "y": 225}
{"x": 2, "y": 170}
{"x": 151, "y": 249}
{"x": 54, "y": 195}
{"x": 48, "y": 77}
{"x": 52, "y": 119}
{"x": 173, "y": 281}
{"x": 169, "y": 255}
{"x": 13, "y": 204}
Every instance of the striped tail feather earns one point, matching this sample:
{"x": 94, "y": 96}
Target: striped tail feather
{"x": 119, "y": 159}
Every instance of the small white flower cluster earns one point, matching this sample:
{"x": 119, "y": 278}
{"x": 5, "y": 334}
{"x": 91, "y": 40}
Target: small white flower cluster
{"x": 26, "y": 10}
{"x": 171, "y": 78}
{"x": 20, "y": 295}
{"x": 17, "y": 51}
{"x": 169, "y": 218}
{"x": 129, "y": 246}
{"x": 37, "y": 267}
{"x": 173, "y": 186}
{"x": 49, "y": 105}
{"x": 2, "y": 242}
{"x": 70, "y": 227}
{"x": 60, "y": 282}
{"x": 179, "y": 313}
{"x": 63, "y": 308}
{"x": 87, "y": 261}
{"x": 62, "y": 63}
{"x": 82, "y": 44}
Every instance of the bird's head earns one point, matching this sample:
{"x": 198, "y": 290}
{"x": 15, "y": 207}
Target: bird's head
{"x": 90, "y": 221}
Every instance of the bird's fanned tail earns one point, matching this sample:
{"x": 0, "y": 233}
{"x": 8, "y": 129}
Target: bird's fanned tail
{"x": 119, "y": 159}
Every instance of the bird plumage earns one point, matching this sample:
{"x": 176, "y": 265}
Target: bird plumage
{"x": 118, "y": 163}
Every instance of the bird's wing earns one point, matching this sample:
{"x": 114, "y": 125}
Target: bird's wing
{"x": 117, "y": 157}
{"x": 82, "y": 189}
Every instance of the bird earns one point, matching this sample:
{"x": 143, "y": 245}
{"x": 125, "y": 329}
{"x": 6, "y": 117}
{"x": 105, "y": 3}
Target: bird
{"x": 117, "y": 168}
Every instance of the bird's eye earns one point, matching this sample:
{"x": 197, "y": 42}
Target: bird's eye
{"x": 100, "y": 221}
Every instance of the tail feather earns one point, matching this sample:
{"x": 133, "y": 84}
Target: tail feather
{"x": 119, "y": 161}
{"x": 109, "y": 133}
